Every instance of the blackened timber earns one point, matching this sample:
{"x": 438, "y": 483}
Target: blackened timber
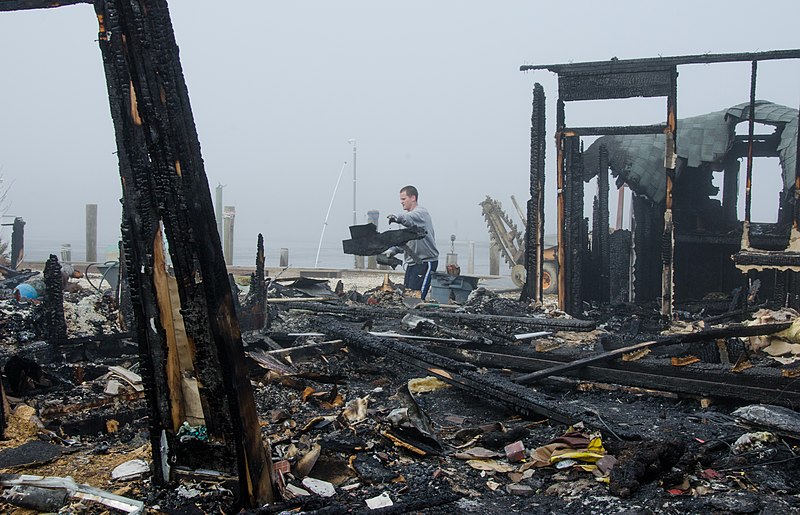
{"x": 23, "y": 5}
{"x": 177, "y": 187}
{"x": 614, "y": 130}
{"x": 711, "y": 334}
{"x": 776, "y": 259}
{"x": 459, "y": 374}
{"x": 618, "y": 65}
{"x": 601, "y": 230}
{"x": 573, "y": 227}
{"x": 571, "y": 324}
{"x": 139, "y": 226}
{"x": 55, "y": 325}
{"x": 651, "y": 82}
{"x": 640, "y": 374}
{"x": 647, "y": 271}
{"x": 668, "y": 237}
{"x": 534, "y": 230}
{"x": 254, "y": 312}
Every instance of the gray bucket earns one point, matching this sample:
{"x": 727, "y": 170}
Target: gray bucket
{"x": 110, "y": 271}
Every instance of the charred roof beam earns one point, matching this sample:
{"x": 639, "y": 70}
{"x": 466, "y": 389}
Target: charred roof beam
{"x": 615, "y": 65}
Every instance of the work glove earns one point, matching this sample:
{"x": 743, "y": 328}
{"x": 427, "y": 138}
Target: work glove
{"x": 392, "y": 219}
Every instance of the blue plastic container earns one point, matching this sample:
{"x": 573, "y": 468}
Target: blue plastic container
{"x": 26, "y": 291}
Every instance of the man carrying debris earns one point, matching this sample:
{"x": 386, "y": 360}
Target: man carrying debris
{"x": 421, "y": 256}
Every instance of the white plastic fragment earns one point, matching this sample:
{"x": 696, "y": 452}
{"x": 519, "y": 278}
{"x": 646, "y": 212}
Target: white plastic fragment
{"x": 381, "y": 501}
{"x": 319, "y": 487}
{"x": 131, "y": 469}
{"x": 295, "y": 491}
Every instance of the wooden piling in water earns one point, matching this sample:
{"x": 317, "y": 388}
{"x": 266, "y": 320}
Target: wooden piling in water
{"x": 91, "y": 233}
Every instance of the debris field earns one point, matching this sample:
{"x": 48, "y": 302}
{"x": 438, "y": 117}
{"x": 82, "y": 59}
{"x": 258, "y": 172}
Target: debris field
{"x": 373, "y": 400}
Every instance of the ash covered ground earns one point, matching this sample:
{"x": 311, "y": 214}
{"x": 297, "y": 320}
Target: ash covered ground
{"x": 349, "y": 429}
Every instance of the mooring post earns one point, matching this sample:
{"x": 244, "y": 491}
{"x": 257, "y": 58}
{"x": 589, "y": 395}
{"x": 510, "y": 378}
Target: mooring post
{"x": 91, "y": 233}
{"x": 373, "y": 215}
{"x": 66, "y": 253}
{"x": 284, "y": 262}
{"x": 494, "y": 259}
{"x": 228, "y": 216}
{"x": 17, "y": 242}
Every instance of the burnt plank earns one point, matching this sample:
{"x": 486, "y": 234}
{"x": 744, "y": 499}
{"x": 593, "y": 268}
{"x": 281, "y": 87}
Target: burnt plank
{"x": 655, "y": 376}
{"x": 598, "y": 86}
{"x": 711, "y": 334}
{"x": 164, "y": 184}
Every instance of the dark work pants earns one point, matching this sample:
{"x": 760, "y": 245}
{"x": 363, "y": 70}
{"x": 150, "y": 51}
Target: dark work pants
{"x": 418, "y": 276}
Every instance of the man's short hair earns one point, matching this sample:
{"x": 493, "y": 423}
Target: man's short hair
{"x": 410, "y": 191}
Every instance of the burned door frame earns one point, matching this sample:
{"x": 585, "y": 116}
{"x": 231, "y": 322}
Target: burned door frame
{"x": 166, "y": 194}
{"x": 619, "y": 79}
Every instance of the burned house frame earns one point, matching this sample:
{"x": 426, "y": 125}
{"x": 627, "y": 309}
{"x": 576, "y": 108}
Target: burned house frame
{"x": 669, "y": 256}
{"x": 188, "y": 333}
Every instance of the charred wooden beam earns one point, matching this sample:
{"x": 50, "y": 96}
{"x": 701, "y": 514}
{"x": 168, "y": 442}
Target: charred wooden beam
{"x": 618, "y": 65}
{"x": 459, "y": 374}
{"x": 164, "y": 185}
{"x": 649, "y": 220}
{"x": 711, "y": 334}
{"x": 601, "y": 246}
{"x": 22, "y": 5}
{"x": 668, "y": 236}
{"x": 619, "y": 269}
{"x": 570, "y": 324}
{"x": 730, "y": 192}
{"x": 645, "y": 82}
{"x": 55, "y": 325}
{"x": 138, "y": 228}
{"x": 572, "y": 228}
{"x": 769, "y": 259}
{"x": 615, "y": 130}
{"x": 128, "y": 319}
{"x": 254, "y": 311}
{"x": 534, "y": 231}
{"x": 661, "y": 376}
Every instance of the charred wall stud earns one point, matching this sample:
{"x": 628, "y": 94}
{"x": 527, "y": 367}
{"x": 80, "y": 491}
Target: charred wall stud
{"x": 254, "y": 310}
{"x": 161, "y": 169}
{"x": 573, "y": 227}
{"x": 600, "y": 230}
{"x": 534, "y": 235}
{"x": 670, "y": 163}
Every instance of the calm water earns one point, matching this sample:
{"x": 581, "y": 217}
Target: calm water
{"x": 300, "y": 255}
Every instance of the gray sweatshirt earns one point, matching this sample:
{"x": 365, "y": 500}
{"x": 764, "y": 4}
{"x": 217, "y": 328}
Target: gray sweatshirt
{"x": 424, "y": 248}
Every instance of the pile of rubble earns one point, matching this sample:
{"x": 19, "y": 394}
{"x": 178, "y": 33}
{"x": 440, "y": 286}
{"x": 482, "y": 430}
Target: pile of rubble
{"x": 369, "y": 404}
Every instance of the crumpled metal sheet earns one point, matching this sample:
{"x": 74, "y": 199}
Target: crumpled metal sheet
{"x": 638, "y": 160}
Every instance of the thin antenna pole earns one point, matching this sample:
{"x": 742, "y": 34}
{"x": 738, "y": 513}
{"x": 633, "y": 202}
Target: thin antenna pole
{"x": 325, "y": 223}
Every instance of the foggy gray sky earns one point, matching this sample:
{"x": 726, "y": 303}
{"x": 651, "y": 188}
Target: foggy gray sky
{"x": 431, "y": 91}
